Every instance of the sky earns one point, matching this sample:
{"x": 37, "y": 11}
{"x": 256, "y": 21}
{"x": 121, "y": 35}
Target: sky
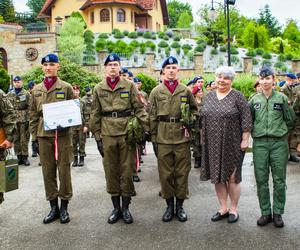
{"x": 281, "y": 9}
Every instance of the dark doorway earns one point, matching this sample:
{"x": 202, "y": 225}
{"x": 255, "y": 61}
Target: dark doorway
{"x": 3, "y": 58}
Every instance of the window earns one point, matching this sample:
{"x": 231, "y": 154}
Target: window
{"x": 104, "y": 15}
{"x": 121, "y": 15}
{"x": 92, "y": 17}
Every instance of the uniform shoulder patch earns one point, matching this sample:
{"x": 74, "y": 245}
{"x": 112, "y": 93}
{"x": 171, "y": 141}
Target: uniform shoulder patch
{"x": 257, "y": 105}
{"x": 124, "y": 94}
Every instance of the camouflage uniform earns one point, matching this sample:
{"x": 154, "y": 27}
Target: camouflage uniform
{"x": 8, "y": 123}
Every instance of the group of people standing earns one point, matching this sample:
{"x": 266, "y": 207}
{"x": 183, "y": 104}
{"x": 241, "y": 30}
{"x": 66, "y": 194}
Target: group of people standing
{"x": 218, "y": 120}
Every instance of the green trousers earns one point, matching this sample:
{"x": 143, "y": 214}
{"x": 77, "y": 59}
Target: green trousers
{"x": 118, "y": 162}
{"x": 63, "y": 167}
{"x": 79, "y": 141}
{"x": 21, "y": 138}
{"x": 174, "y": 165}
{"x": 270, "y": 153}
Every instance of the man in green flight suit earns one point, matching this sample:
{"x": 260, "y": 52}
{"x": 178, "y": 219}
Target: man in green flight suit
{"x": 7, "y": 126}
{"x": 273, "y": 118}
{"x": 20, "y": 99}
{"x": 173, "y": 136}
{"x": 115, "y": 100}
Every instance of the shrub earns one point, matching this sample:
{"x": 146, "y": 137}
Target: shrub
{"x": 167, "y": 51}
{"x": 118, "y": 35}
{"x": 223, "y": 48}
{"x": 140, "y": 33}
{"x": 288, "y": 56}
{"x": 199, "y": 48}
{"x": 169, "y": 33}
{"x": 110, "y": 45}
{"x": 235, "y": 59}
{"x": 244, "y": 83}
{"x": 147, "y": 35}
{"x": 166, "y": 37}
{"x": 214, "y": 52}
{"x": 134, "y": 44}
{"x": 251, "y": 53}
{"x": 259, "y": 51}
{"x": 161, "y": 35}
{"x": 148, "y": 83}
{"x": 278, "y": 65}
{"x": 177, "y": 38}
{"x": 151, "y": 45}
{"x": 103, "y": 36}
{"x": 266, "y": 63}
{"x": 254, "y": 61}
{"x": 163, "y": 44}
{"x": 175, "y": 45}
{"x": 132, "y": 35}
{"x": 101, "y": 44}
{"x": 187, "y": 46}
{"x": 125, "y": 32}
{"x": 234, "y": 51}
{"x": 153, "y": 37}
{"x": 185, "y": 51}
{"x": 201, "y": 41}
{"x": 267, "y": 55}
{"x": 281, "y": 58}
{"x": 115, "y": 31}
{"x": 178, "y": 50}
{"x": 5, "y": 79}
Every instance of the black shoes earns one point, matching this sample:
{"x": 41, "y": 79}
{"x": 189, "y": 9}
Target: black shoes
{"x": 54, "y": 212}
{"x": 169, "y": 213}
{"x": 264, "y": 220}
{"x": 197, "y": 162}
{"x": 180, "y": 213}
{"x": 81, "y": 161}
{"x": 127, "y": 218}
{"x": 20, "y": 160}
{"x": 278, "y": 222}
{"x": 116, "y": 214}
{"x": 136, "y": 178}
{"x": 294, "y": 158}
{"x": 218, "y": 216}
{"x": 232, "y": 218}
{"x": 75, "y": 162}
{"x": 64, "y": 215}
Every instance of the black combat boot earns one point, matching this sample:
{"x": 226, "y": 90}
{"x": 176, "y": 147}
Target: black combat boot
{"x": 169, "y": 213}
{"x": 116, "y": 214}
{"x": 278, "y": 221}
{"x": 264, "y": 220}
{"x": 197, "y": 162}
{"x": 20, "y": 159}
{"x": 294, "y": 158}
{"x": 180, "y": 213}
{"x": 25, "y": 160}
{"x": 81, "y": 161}
{"x": 125, "y": 210}
{"x": 64, "y": 215}
{"x": 75, "y": 162}
{"x": 54, "y": 212}
{"x": 136, "y": 178}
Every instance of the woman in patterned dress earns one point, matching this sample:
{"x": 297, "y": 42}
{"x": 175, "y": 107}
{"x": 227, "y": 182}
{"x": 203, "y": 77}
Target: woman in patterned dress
{"x": 226, "y": 124}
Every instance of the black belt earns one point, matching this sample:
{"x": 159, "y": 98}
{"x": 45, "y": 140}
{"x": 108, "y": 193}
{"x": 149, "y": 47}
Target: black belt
{"x": 117, "y": 114}
{"x": 168, "y": 119}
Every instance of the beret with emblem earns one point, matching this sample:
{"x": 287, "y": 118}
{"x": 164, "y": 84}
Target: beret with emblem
{"x": 17, "y": 78}
{"x": 298, "y": 75}
{"x": 281, "y": 84}
{"x": 113, "y": 57}
{"x": 137, "y": 80}
{"x": 130, "y": 74}
{"x": 197, "y": 78}
{"x": 170, "y": 60}
{"x": 290, "y": 75}
{"x": 50, "y": 58}
{"x": 123, "y": 70}
{"x": 266, "y": 71}
{"x": 30, "y": 84}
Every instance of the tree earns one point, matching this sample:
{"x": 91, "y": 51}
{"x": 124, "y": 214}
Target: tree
{"x": 71, "y": 41}
{"x": 4, "y": 79}
{"x": 35, "y": 6}
{"x": 78, "y": 15}
{"x": 7, "y": 10}
{"x": 255, "y": 36}
{"x": 271, "y": 23}
{"x": 280, "y": 46}
{"x": 292, "y": 34}
{"x": 175, "y": 9}
{"x": 89, "y": 53}
{"x": 1, "y": 19}
{"x": 185, "y": 20}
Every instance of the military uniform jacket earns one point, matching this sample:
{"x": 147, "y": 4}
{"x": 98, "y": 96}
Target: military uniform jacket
{"x": 60, "y": 91}
{"x": 82, "y": 108}
{"x": 87, "y": 110}
{"x": 124, "y": 97}
{"x": 163, "y": 103}
{"x": 20, "y": 103}
{"x": 291, "y": 92}
{"x": 272, "y": 117}
{"x": 7, "y": 116}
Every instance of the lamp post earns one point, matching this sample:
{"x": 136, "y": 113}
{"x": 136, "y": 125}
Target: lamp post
{"x": 213, "y": 15}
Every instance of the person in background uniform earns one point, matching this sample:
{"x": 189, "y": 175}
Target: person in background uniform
{"x": 298, "y": 78}
{"x": 171, "y": 131}
{"x": 115, "y": 99}
{"x": 130, "y": 76}
{"x": 8, "y": 124}
{"x": 87, "y": 100}
{"x": 30, "y": 86}
{"x": 20, "y": 99}
{"x": 272, "y": 120}
{"x": 79, "y": 133}
{"x": 124, "y": 72}
{"x": 51, "y": 90}
{"x": 190, "y": 85}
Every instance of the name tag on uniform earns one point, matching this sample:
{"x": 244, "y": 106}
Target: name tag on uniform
{"x": 124, "y": 94}
{"x": 183, "y": 99}
{"x": 257, "y": 105}
{"x": 278, "y": 106}
{"x": 60, "y": 95}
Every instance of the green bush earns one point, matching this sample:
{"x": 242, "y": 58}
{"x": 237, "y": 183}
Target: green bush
{"x": 147, "y": 35}
{"x": 267, "y": 55}
{"x": 214, "y": 52}
{"x": 223, "y": 48}
{"x": 115, "y": 31}
{"x": 101, "y": 44}
{"x": 125, "y": 32}
{"x": 254, "y": 61}
{"x": 288, "y": 56}
{"x": 178, "y": 50}
{"x": 251, "y": 53}
{"x": 235, "y": 59}
{"x": 166, "y": 37}
{"x": 69, "y": 72}
{"x": 281, "y": 58}
{"x": 234, "y": 51}
{"x": 118, "y": 35}
{"x": 201, "y": 41}
{"x": 140, "y": 33}
{"x": 167, "y": 51}
{"x": 187, "y": 46}
{"x": 185, "y": 51}
{"x": 284, "y": 68}
{"x": 132, "y": 35}
{"x": 259, "y": 51}
{"x": 4, "y": 79}
{"x": 148, "y": 83}
{"x": 151, "y": 45}
{"x": 245, "y": 83}
{"x": 134, "y": 44}
{"x": 266, "y": 63}
{"x": 161, "y": 35}
{"x": 103, "y": 36}
{"x": 175, "y": 45}
{"x": 110, "y": 45}
{"x": 177, "y": 38}
{"x": 153, "y": 37}
{"x": 278, "y": 65}
{"x": 199, "y": 48}
{"x": 163, "y": 44}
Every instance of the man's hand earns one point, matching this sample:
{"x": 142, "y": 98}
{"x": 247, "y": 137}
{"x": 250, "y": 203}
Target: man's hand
{"x": 85, "y": 129}
{"x": 100, "y": 147}
{"x": 6, "y": 144}
{"x": 244, "y": 145}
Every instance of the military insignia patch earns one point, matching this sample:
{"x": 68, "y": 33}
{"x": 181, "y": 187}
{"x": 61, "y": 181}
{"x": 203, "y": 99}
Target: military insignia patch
{"x": 184, "y": 99}
{"x": 257, "y": 105}
{"x": 278, "y": 106}
{"x": 171, "y": 61}
{"x": 47, "y": 59}
{"x": 60, "y": 95}
{"x": 124, "y": 94}
{"x": 111, "y": 58}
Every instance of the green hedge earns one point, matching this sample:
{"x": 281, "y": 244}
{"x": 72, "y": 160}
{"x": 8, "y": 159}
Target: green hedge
{"x": 245, "y": 84}
{"x": 163, "y": 44}
{"x": 149, "y": 83}
{"x": 4, "y": 79}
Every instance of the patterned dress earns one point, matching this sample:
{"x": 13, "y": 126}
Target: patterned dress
{"x": 223, "y": 122}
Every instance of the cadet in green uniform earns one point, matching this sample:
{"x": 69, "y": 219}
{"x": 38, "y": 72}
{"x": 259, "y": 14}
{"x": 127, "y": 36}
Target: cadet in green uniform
{"x": 115, "y": 99}
{"x": 272, "y": 120}
{"x": 87, "y": 100}
{"x": 8, "y": 123}
{"x": 52, "y": 89}
{"x": 20, "y": 99}
{"x": 79, "y": 134}
{"x": 170, "y": 104}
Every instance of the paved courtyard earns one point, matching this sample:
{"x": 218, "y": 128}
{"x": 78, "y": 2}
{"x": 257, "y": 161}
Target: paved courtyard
{"x": 22, "y": 212}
